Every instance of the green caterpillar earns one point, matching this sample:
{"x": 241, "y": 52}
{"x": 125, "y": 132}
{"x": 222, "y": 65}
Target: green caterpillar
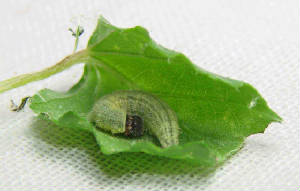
{"x": 132, "y": 112}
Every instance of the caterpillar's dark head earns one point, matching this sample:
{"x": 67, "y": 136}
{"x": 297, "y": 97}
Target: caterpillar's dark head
{"x": 134, "y": 126}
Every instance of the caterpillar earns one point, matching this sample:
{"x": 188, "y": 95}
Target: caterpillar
{"x": 132, "y": 113}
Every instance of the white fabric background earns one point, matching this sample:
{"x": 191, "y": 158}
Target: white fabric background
{"x": 255, "y": 41}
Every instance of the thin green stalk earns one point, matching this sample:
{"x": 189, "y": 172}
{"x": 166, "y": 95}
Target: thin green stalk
{"x": 76, "y": 34}
{"x": 76, "y": 41}
{"x": 65, "y": 63}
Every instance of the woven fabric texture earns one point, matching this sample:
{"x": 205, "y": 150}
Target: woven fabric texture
{"x": 255, "y": 41}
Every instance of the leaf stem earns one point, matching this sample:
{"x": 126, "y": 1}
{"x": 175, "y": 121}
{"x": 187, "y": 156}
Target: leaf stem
{"x": 23, "y": 79}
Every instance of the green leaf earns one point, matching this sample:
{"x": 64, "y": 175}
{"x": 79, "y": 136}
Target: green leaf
{"x": 215, "y": 113}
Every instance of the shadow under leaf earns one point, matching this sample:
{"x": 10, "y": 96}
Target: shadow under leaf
{"x": 115, "y": 165}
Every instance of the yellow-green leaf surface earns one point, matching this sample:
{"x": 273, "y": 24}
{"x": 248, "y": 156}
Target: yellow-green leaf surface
{"x": 215, "y": 113}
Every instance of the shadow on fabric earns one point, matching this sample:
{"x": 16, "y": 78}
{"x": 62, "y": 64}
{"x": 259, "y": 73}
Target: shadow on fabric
{"x": 79, "y": 149}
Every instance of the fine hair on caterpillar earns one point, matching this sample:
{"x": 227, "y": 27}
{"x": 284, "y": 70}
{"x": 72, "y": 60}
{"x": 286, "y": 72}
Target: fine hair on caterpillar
{"x": 133, "y": 113}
